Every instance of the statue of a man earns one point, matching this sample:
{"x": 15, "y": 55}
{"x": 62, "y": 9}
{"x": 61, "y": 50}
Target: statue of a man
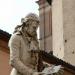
{"x": 21, "y": 44}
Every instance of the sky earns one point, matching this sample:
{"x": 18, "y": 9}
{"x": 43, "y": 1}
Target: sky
{"x": 11, "y": 12}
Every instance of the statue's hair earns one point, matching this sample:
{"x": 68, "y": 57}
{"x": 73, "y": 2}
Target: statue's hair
{"x": 32, "y": 16}
{"x": 18, "y": 28}
{"x": 25, "y": 21}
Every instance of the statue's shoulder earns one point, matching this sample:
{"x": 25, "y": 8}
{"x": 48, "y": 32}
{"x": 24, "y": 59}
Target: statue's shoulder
{"x": 16, "y": 35}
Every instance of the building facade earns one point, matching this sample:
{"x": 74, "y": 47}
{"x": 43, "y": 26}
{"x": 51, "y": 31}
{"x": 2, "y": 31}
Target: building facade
{"x": 57, "y": 28}
{"x": 4, "y": 53}
{"x": 45, "y": 13}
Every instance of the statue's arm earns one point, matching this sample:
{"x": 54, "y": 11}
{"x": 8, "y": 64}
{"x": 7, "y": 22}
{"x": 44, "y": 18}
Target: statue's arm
{"x": 14, "y": 45}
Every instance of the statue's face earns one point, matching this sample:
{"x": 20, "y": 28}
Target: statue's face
{"x": 32, "y": 27}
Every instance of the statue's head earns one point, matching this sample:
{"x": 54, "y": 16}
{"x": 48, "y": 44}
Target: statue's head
{"x": 31, "y": 23}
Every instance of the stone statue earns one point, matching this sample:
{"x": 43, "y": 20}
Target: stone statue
{"x": 21, "y": 44}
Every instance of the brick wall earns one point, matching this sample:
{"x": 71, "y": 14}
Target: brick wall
{"x": 4, "y": 58}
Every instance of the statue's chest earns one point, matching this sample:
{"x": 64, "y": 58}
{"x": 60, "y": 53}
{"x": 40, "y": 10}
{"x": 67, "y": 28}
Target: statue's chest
{"x": 33, "y": 45}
